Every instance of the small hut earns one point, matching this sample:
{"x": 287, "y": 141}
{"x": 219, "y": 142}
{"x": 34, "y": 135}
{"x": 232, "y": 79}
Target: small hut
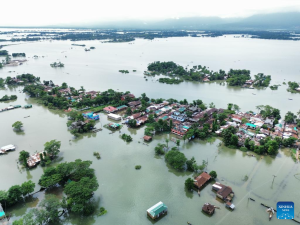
{"x": 208, "y": 208}
{"x": 147, "y": 138}
{"x": 158, "y": 210}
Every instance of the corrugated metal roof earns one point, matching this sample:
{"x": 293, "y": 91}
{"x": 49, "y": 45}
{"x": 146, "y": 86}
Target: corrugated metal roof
{"x": 157, "y": 209}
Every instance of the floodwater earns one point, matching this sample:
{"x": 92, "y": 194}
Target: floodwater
{"x": 125, "y": 192}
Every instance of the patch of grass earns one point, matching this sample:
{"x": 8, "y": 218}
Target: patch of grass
{"x": 103, "y": 211}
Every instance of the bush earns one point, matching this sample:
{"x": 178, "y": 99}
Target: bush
{"x": 213, "y": 174}
{"x": 137, "y": 167}
{"x": 244, "y": 149}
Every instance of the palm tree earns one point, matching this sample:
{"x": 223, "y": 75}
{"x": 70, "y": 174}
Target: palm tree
{"x": 298, "y": 113}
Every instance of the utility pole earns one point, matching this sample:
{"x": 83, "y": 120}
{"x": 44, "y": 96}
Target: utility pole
{"x": 273, "y": 178}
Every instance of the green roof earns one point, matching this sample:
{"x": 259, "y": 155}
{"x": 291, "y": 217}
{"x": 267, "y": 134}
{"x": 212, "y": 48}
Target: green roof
{"x": 251, "y": 125}
{"x": 122, "y": 107}
{"x": 157, "y": 209}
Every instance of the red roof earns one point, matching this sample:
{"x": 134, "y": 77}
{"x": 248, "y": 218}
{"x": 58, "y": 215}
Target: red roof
{"x": 109, "y": 109}
{"x": 202, "y": 179}
{"x": 147, "y": 138}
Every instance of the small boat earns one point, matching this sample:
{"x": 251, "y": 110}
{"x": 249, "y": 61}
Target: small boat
{"x": 253, "y": 94}
{"x": 290, "y": 99}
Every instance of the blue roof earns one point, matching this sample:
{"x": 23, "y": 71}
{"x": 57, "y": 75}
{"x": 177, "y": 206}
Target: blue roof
{"x": 185, "y": 127}
{"x": 250, "y": 125}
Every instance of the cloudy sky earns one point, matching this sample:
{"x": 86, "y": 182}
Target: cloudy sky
{"x": 61, "y": 12}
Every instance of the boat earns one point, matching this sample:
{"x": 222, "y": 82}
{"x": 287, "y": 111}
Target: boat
{"x": 290, "y": 99}
{"x": 253, "y": 94}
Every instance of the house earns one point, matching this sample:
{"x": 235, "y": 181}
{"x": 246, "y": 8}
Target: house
{"x": 229, "y": 205}
{"x": 250, "y": 125}
{"x": 147, "y": 138}
{"x": 208, "y": 208}
{"x": 114, "y": 125}
{"x": 122, "y": 107}
{"x": 123, "y": 97}
{"x": 223, "y": 192}
{"x": 201, "y": 180}
{"x": 236, "y": 118}
{"x": 2, "y": 213}
{"x": 34, "y": 159}
{"x": 206, "y": 80}
{"x": 134, "y": 103}
{"x": 249, "y": 82}
{"x": 91, "y": 115}
{"x": 180, "y": 130}
{"x": 77, "y": 125}
{"x": 178, "y": 116}
{"x": 114, "y": 116}
{"x": 109, "y": 109}
{"x": 7, "y": 148}
{"x": 158, "y": 210}
{"x": 92, "y": 93}
{"x": 269, "y": 122}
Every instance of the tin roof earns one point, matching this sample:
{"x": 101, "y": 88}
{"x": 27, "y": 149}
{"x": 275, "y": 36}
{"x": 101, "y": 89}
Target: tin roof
{"x": 157, "y": 209}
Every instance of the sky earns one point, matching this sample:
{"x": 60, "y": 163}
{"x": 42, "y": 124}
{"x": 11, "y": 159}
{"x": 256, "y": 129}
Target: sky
{"x": 68, "y": 12}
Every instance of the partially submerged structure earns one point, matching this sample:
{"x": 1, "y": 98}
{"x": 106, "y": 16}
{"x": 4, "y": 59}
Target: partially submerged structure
{"x": 208, "y": 208}
{"x": 223, "y": 192}
{"x": 7, "y": 148}
{"x": 114, "y": 116}
{"x": 201, "y": 180}
{"x": 158, "y": 210}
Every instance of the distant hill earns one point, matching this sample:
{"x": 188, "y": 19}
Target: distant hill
{"x": 288, "y": 20}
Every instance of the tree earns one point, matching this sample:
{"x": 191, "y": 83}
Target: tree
{"x": 190, "y": 163}
{"x": 27, "y": 187}
{"x": 176, "y": 159}
{"x": 52, "y": 147}
{"x": 213, "y": 174}
{"x": 159, "y": 149}
{"x": 23, "y": 155}
{"x": 227, "y": 133}
{"x": 234, "y": 140}
{"x": 79, "y": 193}
{"x": 167, "y": 141}
{"x": 236, "y": 107}
{"x": 178, "y": 143}
{"x": 290, "y": 117}
{"x": 14, "y": 194}
{"x": 132, "y": 123}
{"x": 212, "y": 105}
{"x": 50, "y": 205}
{"x": 128, "y": 111}
{"x": 189, "y": 183}
{"x": 151, "y": 118}
{"x": 17, "y": 125}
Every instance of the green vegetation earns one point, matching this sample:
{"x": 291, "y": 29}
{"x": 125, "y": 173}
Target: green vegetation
{"x": 133, "y": 70}
{"x": 17, "y": 125}
{"x": 176, "y": 159}
{"x": 1, "y": 66}
{"x": 274, "y": 87}
{"x": 7, "y": 98}
{"x": 3, "y": 53}
{"x": 290, "y": 117}
{"x": 170, "y": 81}
{"x": 16, "y": 193}
{"x": 22, "y": 79}
{"x": 23, "y": 155}
{"x": 78, "y": 181}
{"x": 52, "y": 148}
{"x": 293, "y": 86}
{"x": 213, "y": 174}
{"x": 78, "y": 45}
{"x": 18, "y": 55}
{"x": 138, "y": 167}
{"x": 238, "y": 77}
{"x": 102, "y": 211}
{"x": 126, "y": 137}
{"x": 92, "y": 47}
{"x": 189, "y": 183}
{"x": 160, "y": 149}
{"x": 123, "y": 71}
{"x": 97, "y": 154}
{"x": 262, "y": 80}
{"x": 59, "y": 64}
{"x": 268, "y": 111}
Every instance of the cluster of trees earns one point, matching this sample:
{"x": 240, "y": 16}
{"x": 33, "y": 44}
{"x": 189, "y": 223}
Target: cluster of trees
{"x": 3, "y": 52}
{"x": 59, "y": 64}
{"x": 290, "y": 117}
{"x": 262, "y": 80}
{"x": 126, "y": 137}
{"x": 238, "y": 77}
{"x": 75, "y": 116}
{"x": 159, "y": 126}
{"x": 1, "y": 65}
{"x": 26, "y": 78}
{"x": 170, "y": 80}
{"x": 269, "y": 111}
{"x": 16, "y": 193}
{"x": 79, "y": 183}
{"x": 292, "y": 86}
{"x": 7, "y": 98}
{"x": 123, "y": 71}
{"x": 18, "y": 55}
{"x": 48, "y": 212}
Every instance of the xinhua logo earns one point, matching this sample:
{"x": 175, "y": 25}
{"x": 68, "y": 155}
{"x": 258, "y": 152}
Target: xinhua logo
{"x": 285, "y": 210}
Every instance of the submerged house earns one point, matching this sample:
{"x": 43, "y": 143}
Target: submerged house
{"x": 110, "y": 109}
{"x": 208, "y": 208}
{"x": 158, "y": 210}
{"x": 223, "y": 192}
{"x": 34, "y": 159}
{"x": 7, "y": 148}
{"x": 202, "y": 179}
{"x": 91, "y": 115}
{"x": 2, "y": 213}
